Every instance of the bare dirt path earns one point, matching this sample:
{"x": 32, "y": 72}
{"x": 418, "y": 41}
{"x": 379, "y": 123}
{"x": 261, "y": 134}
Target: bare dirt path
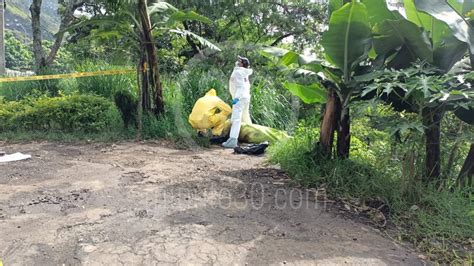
{"x": 138, "y": 204}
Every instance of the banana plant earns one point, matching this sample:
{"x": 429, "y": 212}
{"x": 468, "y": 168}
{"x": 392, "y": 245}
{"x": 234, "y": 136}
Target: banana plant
{"x": 435, "y": 32}
{"x": 371, "y": 34}
{"x": 137, "y": 23}
{"x": 438, "y": 32}
{"x": 430, "y": 94}
{"x": 346, "y": 44}
{"x": 455, "y": 16}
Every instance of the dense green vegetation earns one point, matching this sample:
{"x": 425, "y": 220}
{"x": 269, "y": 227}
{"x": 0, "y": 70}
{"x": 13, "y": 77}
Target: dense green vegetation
{"x": 381, "y": 113}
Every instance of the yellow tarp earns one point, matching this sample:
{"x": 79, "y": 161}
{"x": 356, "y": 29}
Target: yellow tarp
{"x": 210, "y": 112}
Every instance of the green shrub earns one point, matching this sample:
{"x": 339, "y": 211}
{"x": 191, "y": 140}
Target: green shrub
{"x": 66, "y": 114}
{"x": 343, "y": 177}
{"x": 424, "y": 213}
{"x": 18, "y": 55}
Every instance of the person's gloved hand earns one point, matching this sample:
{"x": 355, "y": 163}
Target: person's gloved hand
{"x": 235, "y": 101}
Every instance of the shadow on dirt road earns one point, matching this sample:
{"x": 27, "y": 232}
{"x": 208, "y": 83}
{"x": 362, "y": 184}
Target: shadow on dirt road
{"x": 132, "y": 204}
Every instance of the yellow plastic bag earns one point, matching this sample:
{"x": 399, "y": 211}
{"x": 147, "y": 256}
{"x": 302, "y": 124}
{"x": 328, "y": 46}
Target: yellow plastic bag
{"x": 210, "y": 112}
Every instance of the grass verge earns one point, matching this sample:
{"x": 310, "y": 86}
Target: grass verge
{"x": 440, "y": 223}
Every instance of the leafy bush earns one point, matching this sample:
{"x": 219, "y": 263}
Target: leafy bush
{"x": 66, "y": 114}
{"x": 17, "y": 54}
{"x": 373, "y": 175}
{"x": 343, "y": 177}
{"x": 225, "y": 60}
{"x": 63, "y": 61}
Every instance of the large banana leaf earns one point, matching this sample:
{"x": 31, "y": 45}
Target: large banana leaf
{"x": 348, "y": 40}
{"x": 449, "y": 53}
{"x": 161, "y": 7}
{"x": 466, "y": 115}
{"x": 396, "y": 34}
{"x": 436, "y": 29}
{"x": 421, "y": 19}
{"x": 334, "y": 5}
{"x": 441, "y": 10}
{"x": 312, "y": 93}
{"x": 378, "y": 11}
{"x": 291, "y": 58}
{"x": 286, "y": 57}
{"x": 200, "y": 39}
{"x": 462, "y": 7}
{"x": 271, "y": 52}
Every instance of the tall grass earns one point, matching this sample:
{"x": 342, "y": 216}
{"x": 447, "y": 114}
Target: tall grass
{"x": 271, "y": 104}
{"x": 425, "y": 214}
{"x": 104, "y": 86}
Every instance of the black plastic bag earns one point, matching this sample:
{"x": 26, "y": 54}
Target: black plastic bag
{"x": 218, "y": 140}
{"x": 254, "y": 149}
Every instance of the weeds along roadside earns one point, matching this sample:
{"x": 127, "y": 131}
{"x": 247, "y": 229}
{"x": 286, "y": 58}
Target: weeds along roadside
{"x": 272, "y": 105}
{"x": 382, "y": 172}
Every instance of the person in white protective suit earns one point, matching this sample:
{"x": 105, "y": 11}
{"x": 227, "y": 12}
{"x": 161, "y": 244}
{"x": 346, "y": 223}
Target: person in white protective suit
{"x": 239, "y": 86}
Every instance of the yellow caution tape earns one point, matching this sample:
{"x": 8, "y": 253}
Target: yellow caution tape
{"x": 71, "y": 75}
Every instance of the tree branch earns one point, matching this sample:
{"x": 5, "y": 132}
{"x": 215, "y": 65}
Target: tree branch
{"x": 281, "y": 38}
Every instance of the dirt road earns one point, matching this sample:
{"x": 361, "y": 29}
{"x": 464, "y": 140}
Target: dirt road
{"x": 138, "y": 204}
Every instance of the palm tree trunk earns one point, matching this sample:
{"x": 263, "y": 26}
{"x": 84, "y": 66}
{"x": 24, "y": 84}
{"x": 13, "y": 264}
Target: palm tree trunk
{"x": 329, "y": 124}
{"x": 152, "y": 73}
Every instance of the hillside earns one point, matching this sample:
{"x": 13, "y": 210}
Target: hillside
{"x": 17, "y": 17}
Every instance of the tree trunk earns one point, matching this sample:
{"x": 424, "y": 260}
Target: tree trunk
{"x": 432, "y": 122}
{"x": 3, "y": 69}
{"x": 467, "y": 171}
{"x": 67, "y": 16}
{"x": 329, "y": 124}
{"x": 145, "y": 83}
{"x": 454, "y": 151}
{"x": 140, "y": 101}
{"x": 344, "y": 134}
{"x": 66, "y": 19}
{"x": 153, "y": 75}
{"x": 35, "y": 10}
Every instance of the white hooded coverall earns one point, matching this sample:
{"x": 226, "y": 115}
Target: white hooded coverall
{"x": 239, "y": 86}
